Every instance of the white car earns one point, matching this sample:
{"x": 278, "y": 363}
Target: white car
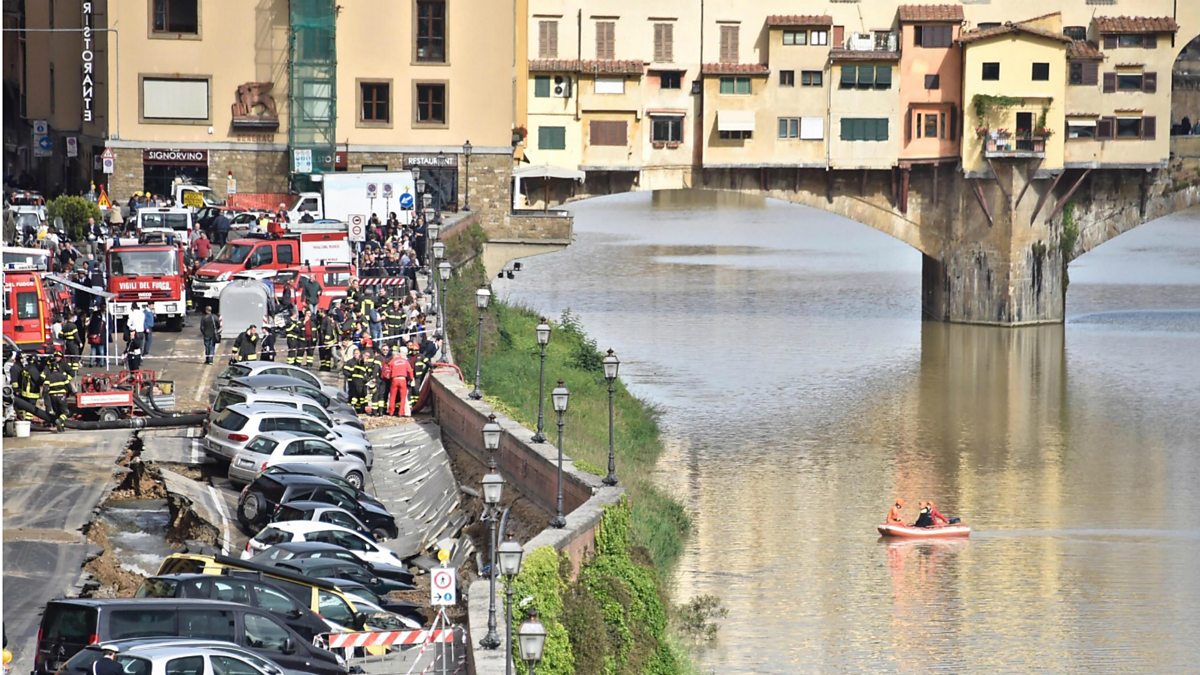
{"x": 308, "y": 530}
{"x": 231, "y": 429}
{"x": 285, "y": 447}
{"x": 252, "y": 368}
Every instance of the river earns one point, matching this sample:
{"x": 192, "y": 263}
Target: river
{"x": 801, "y": 392}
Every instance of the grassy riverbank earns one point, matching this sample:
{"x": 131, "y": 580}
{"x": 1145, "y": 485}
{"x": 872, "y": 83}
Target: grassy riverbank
{"x": 613, "y": 618}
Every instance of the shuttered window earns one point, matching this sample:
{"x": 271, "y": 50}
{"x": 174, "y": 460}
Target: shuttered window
{"x": 547, "y": 39}
{"x": 606, "y": 40}
{"x": 664, "y": 42}
{"x": 729, "y": 44}
{"x": 864, "y": 129}
{"x": 552, "y": 138}
{"x": 1084, "y": 73}
{"x": 541, "y": 87}
{"x": 608, "y": 132}
{"x": 933, "y": 35}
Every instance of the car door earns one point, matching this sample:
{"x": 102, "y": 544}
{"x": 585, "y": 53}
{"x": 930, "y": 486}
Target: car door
{"x": 228, "y": 664}
{"x": 310, "y": 451}
{"x": 344, "y": 519}
{"x": 268, "y": 636}
{"x": 337, "y": 497}
{"x": 315, "y": 428}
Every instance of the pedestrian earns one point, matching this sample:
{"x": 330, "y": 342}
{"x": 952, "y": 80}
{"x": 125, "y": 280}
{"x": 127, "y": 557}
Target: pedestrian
{"x": 245, "y": 347}
{"x": 107, "y": 664}
{"x": 210, "y": 331}
{"x": 133, "y": 351}
{"x": 97, "y": 337}
{"x": 148, "y": 329}
{"x": 268, "y": 344}
{"x": 136, "y": 321}
{"x": 202, "y": 247}
{"x": 220, "y": 228}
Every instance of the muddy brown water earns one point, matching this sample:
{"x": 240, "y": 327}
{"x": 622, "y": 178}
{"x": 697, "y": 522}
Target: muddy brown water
{"x": 801, "y": 391}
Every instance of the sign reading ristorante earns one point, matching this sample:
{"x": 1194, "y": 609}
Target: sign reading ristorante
{"x": 88, "y": 57}
{"x": 173, "y": 156}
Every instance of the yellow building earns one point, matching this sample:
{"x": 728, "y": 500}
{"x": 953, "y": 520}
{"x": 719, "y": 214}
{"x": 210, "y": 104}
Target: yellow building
{"x": 864, "y": 104}
{"x": 797, "y": 94}
{"x": 1014, "y": 86}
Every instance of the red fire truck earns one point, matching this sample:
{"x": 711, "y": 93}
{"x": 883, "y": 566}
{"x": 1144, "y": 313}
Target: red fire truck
{"x": 27, "y": 310}
{"x": 149, "y": 274}
{"x": 267, "y": 252}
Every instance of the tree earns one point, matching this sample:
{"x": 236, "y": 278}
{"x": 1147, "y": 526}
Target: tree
{"x": 75, "y": 212}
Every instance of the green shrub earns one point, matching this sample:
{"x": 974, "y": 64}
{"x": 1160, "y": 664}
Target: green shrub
{"x": 75, "y": 212}
{"x": 540, "y": 579}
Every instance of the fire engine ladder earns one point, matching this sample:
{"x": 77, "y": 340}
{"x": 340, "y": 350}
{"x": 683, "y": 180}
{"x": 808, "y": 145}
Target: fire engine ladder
{"x": 312, "y": 89}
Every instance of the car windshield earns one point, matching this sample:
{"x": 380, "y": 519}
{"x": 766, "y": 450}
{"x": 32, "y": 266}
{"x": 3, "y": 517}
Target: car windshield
{"x": 286, "y": 512}
{"x": 271, "y": 536}
{"x": 236, "y": 370}
{"x": 227, "y": 398}
{"x": 134, "y": 262}
{"x": 364, "y": 594}
{"x": 230, "y": 420}
{"x": 157, "y": 588}
{"x": 168, "y": 221}
{"x": 262, "y": 446}
{"x": 234, "y": 253}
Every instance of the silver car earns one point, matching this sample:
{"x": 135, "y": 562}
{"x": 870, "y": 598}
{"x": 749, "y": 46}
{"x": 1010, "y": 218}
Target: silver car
{"x": 252, "y": 368}
{"x": 232, "y": 428}
{"x": 168, "y": 656}
{"x": 286, "y": 383}
{"x": 283, "y": 447}
{"x": 339, "y": 422}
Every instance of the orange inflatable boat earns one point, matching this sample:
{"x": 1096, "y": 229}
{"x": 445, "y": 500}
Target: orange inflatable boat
{"x": 943, "y": 532}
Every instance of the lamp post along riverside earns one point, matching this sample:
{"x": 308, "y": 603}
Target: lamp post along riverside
{"x": 482, "y": 296}
{"x": 438, "y": 251}
{"x": 511, "y": 554}
{"x": 560, "y": 397}
{"x": 531, "y": 638}
{"x": 543, "y": 339}
{"x": 493, "y": 490}
{"x": 467, "y": 148}
{"x": 444, "y": 274}
{"x": 611, "y": 365}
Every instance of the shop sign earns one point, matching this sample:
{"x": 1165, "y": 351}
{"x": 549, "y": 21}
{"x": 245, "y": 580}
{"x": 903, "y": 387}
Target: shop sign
{"x": 88, "y": 59}
{"x": 178, "y": 157}
{"x": 439, "y": 159}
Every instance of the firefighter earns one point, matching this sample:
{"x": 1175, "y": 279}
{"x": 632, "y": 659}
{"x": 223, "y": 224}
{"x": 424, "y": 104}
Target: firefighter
{"x": 372, "y": 379}
{"x": 72, "y": 342}
{"x": 295, "y": 337}
{"x": 327, "y": 335}
{"x": 401, "y": 373}
{"x": 420, "y": 368}
{"x": 28, "y": 378}
{"x": 356, "y": 373}
{"x": 309, "y": 335}
{"x": 245, "y": 347}
{"x": 56, "y": 387}
{"x": 393, "y": 320}
{"x": 354, "y": 294}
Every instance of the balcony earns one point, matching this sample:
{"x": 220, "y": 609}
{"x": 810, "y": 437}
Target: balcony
{"x": 1014, "y": 146}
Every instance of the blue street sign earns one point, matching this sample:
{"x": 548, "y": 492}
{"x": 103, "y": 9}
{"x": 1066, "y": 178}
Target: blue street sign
{"x": 406, "y": 200}
{"x": 45, "y": 143}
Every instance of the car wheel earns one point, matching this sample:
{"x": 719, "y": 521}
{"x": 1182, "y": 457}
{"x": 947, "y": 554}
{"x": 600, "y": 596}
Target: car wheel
{"x": 253, "y": 509}
{"x": 356, "y": 479}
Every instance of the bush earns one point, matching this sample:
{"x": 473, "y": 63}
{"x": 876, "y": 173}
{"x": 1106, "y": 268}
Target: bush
{"x": 75, "y": 212}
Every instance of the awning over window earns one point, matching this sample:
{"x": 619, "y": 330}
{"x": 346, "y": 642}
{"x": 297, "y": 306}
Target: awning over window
{"x": 546, "y": 171}
{"x": 735, "y": 120}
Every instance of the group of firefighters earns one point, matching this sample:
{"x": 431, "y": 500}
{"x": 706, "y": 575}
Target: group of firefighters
{"x": 49, "y": 377}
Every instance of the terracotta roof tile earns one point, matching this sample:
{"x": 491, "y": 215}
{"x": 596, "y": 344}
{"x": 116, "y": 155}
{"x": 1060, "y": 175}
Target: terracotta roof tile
{"x": 735, "y": 69}
{"x": 588, "y": 67}
{"x": 976, "y": 35}
{"x": 553, "y": 65}
{"x": 1136, "y": 24}
{"x": 1083, "y": 50}
{"x": 862, "y": 55}
{"x": 799, "y": 20}
{"x": 909, "y": 13}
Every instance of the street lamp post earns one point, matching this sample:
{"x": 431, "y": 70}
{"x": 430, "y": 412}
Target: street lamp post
{"x": 531, "y": 638}
{"x": 482, "y": 296}
{"x": 467, "y": 181}
{"x": 543, "y": 339}
{"x": 444, "y": 273}
{"x": 438, "y": 250}
{"x": 510, "y": 566}
{"x": 493, "y": 489}
{"x": 560, "y": 396}
{"x": 611, "y": 365}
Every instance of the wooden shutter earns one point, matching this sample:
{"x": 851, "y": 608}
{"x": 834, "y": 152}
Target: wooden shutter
{"x": 1110, "y": 41}
{"x": 1091, "y": 72}
{"x": 1149, "y": 82}
{"x": 729, "y": 44}
{"x": 664, "y": 48}
{"x": 605, "y": 40}
{"x": 908, "y": 122}
{"x": 1110, "y": 83}
{"x": 1149, "y": 126}
{"x": 1106, "y": 127}
{"x": 839, "y": 37}
{"x": 953, "y": 133}
{"x": 608, "y": 132}
{"x": 547, "y": 39}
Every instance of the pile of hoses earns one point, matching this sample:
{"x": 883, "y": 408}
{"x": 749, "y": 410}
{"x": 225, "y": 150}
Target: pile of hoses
{"x": 156, "y": 417}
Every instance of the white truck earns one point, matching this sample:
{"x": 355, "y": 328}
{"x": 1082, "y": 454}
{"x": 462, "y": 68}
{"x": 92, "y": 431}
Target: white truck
{"x": 195, "y": 196}
{"x": 344, "y": 194}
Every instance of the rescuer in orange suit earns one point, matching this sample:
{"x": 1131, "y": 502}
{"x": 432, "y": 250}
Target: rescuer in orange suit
{"x": 401, "y": 372}
{"x": 893, "y": 516}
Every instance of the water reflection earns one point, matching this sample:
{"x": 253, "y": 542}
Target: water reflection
{"x": 801, "y": 392}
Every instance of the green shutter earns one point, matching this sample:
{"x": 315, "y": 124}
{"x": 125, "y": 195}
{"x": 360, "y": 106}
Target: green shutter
{"x": 847, "y": 129}
{"x": 866, "y": 76}
{"x": 552, "y": 138}
{"x": 883, "y": 77}
{"x": 849, "y": 76}
{"x": 726, "y": 85}
{"x": 743, "y": 85}
{"x": 881, "y": 129}
{"x": 541, "y": 87}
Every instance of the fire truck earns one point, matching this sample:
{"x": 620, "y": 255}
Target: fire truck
{"x": 27, "y": 309}
{"x": 149, "y": 274}
{"x": 269, "y": 252}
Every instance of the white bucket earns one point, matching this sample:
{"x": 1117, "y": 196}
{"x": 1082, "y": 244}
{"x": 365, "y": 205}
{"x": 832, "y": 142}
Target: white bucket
{"x": 22, "y": 428}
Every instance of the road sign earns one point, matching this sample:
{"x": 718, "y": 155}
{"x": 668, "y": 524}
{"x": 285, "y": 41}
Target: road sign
{"x": 108, "y": 164}
{"x": 406, "y": 200}
{"x": 357, "y": 227}
{"x": 372, "y": 190}
{"x": 387, "y": 190}
{"x": 442, "y": 589}
{"x": 42, "y": 146}
{"x": 302, "y": 160}
{"x": 72, "y": 146}
{"x": 108, "y": 154}
{"x": 40, "y": 127}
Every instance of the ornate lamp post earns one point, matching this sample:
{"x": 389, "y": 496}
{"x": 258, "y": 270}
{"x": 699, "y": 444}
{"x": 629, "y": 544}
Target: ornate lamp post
{"x": 560, "y": 397}
{"x": 510, "y": 566}
{"x": 482, "y": 296}
{"x": 543, "y": 339}
{"x": 444, "y": 274}
{"x": 493, "y": 490}
{"x": 611, "y": 365}
{"x": 467, "y": 181}
{"x": 531, "y": 637}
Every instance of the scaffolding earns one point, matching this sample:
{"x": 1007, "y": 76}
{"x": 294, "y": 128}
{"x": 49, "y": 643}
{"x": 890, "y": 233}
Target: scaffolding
{"x": 312, "y": 123}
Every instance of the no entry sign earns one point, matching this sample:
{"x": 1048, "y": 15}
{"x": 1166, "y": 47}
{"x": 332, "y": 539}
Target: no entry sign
{"x": 442, "y": 586}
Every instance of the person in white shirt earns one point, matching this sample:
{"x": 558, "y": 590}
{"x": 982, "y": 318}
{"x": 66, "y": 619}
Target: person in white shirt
{"x": 136, "y": 319}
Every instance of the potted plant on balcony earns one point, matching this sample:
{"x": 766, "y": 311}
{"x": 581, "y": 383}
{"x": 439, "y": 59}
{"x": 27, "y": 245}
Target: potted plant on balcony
{"x": 518, "y": 135}
{"x": 981, "y": 132}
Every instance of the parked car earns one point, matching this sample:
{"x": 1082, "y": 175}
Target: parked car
{"x": 339, "y": 421}
{"x": 260, "y": 498}
{"x": 366, "y": 597}
{"x": 306, "y": 530}
{"x": 311, "y": 470}
{"x": 168, "y": 656}
{"x": 322, "y": 513}
{"x": 299, "y": 550}
{"x": 232, "y": 428}
{"x": 69, "y": 625}
{"x": 286, "y": 383}
{"x": 258, "y": 593}
{"x": 284, "y": 447}
{"x": 333, "y": 568}
{"x": 252, "y": 368}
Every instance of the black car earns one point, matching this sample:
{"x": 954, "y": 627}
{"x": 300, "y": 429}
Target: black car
{"x": 69, "y": 625}
{"x": 333, "y": 568}
{"x": 258, "y": 593}
{"x": 293, "y": 550}
{"x": 408, "y": 610}
{"x": 268, "y": 491}
{"x": 310, "y": 470}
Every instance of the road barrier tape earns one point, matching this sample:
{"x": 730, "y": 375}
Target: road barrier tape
{"x": 389, "y": 638}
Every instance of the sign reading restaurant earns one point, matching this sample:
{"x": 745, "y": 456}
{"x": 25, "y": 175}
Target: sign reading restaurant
{"x": 88, "y": 57}
{"x": 431, "y": 160}
{"x": 178, "y": 157}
